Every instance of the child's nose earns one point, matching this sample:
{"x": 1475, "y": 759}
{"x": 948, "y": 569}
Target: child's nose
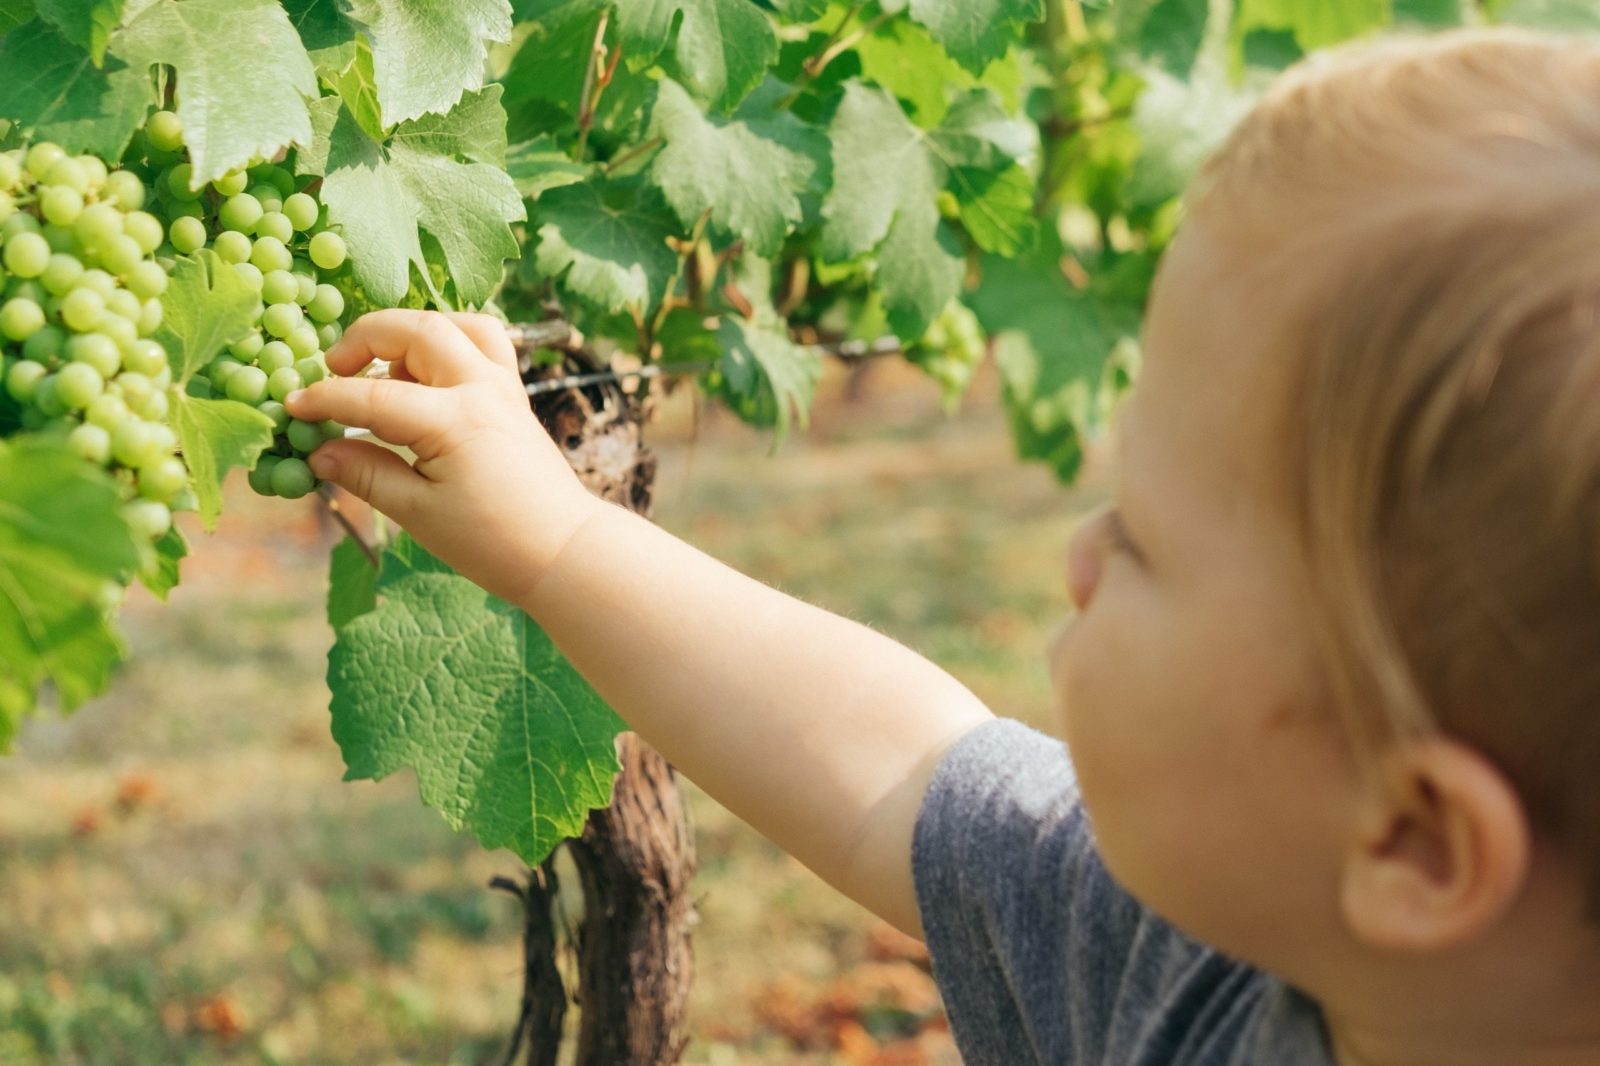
{"x": 1086, "y": 558}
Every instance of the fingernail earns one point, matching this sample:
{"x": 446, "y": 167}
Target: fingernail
{"x": 293, "y": 398}
{"x": 324, "y": 465}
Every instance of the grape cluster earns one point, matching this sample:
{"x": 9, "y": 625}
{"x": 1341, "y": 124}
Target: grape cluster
{"x": 951, "y": 350}
{"x": 276, "y": 235}
{"x": 82, "y": 296}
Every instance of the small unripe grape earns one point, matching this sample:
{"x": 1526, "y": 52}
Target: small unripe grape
{"x": 261, "y": 475}
{"x": 77, "y": 384}
{"x": 311, "y": 370}
{"x": 91, "y": 442}
{"x": 156, "y": 407}
{"x": 232, "y": 183}
{"x": 61, "y": 204}
{"x": 279, "y": 287}
{"x": 326, "y": 305}
{"x": 247, "y": 347}
{"x": 328, "y": 334}
{"x": 283, "y": 381}
{"x": 187, "y": 234}
{"x": 303, "y": 341}
{"x": 95, "y": 169}
{"x": 277, "y": 412}
{"x": 292, "y": 478}
{"x": 22, "y": 378}
{"x": 10, "y": 170}
{"x": 281, "y": 179}
{"x": 144, "y": 228}
{"x": 146, "y": 280}
{"x": 27, "y": 254}
{"x": 200, "y": 388}
{"x": 125, "y": 190}
{"x": 301, "y": 211}
{"x": 47, "y": 398}
{"x": 331, "y": 429}
{"x": 274, "y": 356}
{"x": 275, "y": 224}
{"x": 269, "y": 253}
{"x": 304, "y": 437}
{"x": 240, "y": 212}
{"x": 281, "y": 319}
{"x": 98, "y": 281}
{"x": 8, "y": 206}
{"x": 68, "y": 172}
{"x": 97, "y": 224}
{"x": 124, "y": 304}
{"x": 82, "y": 309}
{"x": 132, "y": 442}
{"x": 61, "y": 273}
{"x": 20, "y": 223}
{"x": 135, "y": 389}
{"x": 149, "y": 519}
{"x": 28, "y": 289}
{"x": 305, "y": 288}
{"x": 164, "y": 131}
{"x": 106, "y": 411}
{"x": 122, "y": 253}
{"x": 186, "y": 209}
{"x": 46, "y": 345}
{"x": 163, "y": 480}
{"x": 250, "y": 273}
{"x": 267, "y": 196}
{"x": 146, "y": 357}
{"x": 94, "y": 349}
{"x": 248, "y": 385}
{"x": 150, "y": 316}
{"x": 328, "y": 250}
{"x": 61, "y": 239}
{"x": 221, "y": 369}
{"x": 20, "y": 319}
{"x": 232, "y": 246}
{"x": 178, "y": 179}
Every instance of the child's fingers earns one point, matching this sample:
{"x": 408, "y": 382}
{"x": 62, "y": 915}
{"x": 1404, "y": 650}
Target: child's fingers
{"x": 430, "y": 346}
{"x": 373, "y": 473}
{"x": 489, "y": 334}
{"x": 400, "y": 412}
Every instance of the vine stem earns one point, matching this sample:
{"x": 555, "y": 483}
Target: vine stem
{"x": 331, "y": 503}
{"x": 633, "y": 153}
{"x": 813, "y": 66}
{"x": 695, "y": 236}
{"x": 587, "y": 101}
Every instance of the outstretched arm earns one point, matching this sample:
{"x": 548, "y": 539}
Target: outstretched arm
{"x": 815, "y": 729}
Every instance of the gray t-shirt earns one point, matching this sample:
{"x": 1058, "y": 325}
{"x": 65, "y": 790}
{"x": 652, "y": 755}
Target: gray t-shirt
{"x": 1042, "y": 958}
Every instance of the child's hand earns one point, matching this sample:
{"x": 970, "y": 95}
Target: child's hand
{"x": 489, "y": 493}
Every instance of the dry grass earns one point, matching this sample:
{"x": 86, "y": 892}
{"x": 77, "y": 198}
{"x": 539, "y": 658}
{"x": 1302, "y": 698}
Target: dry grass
{"x": 186, "y": 879}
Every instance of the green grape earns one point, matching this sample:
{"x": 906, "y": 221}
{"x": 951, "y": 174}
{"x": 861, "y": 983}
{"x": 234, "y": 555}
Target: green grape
{"x": 232, "y": 246}
{"x": 163, "y": 480}
{"x": 328, "y": 335}
{"x": 150, "y": 316}
{"x": 269, "y": 253}
{"x": 194, "y": 209}
{"x": 187, "y": 234}
{"x": 10, "y": 170}
{"x": 267, "y": 196}
{"x": 292, "y": 478}
{"x": 331, "y": 429}
{"x": 304, "y": 436}
{"x": 200, "y": 388}
{"x": 327, "y": 250}
{"x": 77, "y": 384}
{"x": 91, "y": 442}
{"x": 284, "y": 381}
{"x": 177, "y": 183}
{"x": 185, "y": 500}
{"x": 221, "y": 369}
{"x": 248, "y": 385}
{"x": 60, "y": 238}
{"x": 96, "y": 350}
{"x": 95, "y": 169}
{"x": 261, "y": 475}
{"x": 20, "y": 319}
{"x": 21, "y": 223}
{"x": 327, "y": 305}
{"x": 122, "y": 332}
{"x": 146, "y": 280}
{"x": 164, "y": 131}
{"x": 279, "y": 286}
{"x": 8, "y": 206}
{"x": 132, "y": 442}
{"x": 155, "y": 408}
{"x": 99, "y": 281}
{"x": 124, "y": 304}
{"x": 146, "y": 357}
{"x": 281, "y": 319}
{"x": 134, "y": 388}
{"x": 97, "y": 224}
{"x": 28, "y": 289}
{"x": 47, "y": 398}
{"x": 121, "y": 254}
{"x": 150, "y": 519}
{"x": 46, "y": 345}
{"x": 277, "y": 412}
{"x": 82, "y": 309}
{"x": 247, "y": 347}
{"x": 280, "y": 178}
{"x": 232, "y": 183}
{"x": 251, "y": 274}
{"x": 145, "y": 228}
{"x": 274, "y": 356}
{"x": 22, "y": 378}
{"x": 106, "y": 411}
{"x": 303, "y": 341}
{"x": 68, "y": 172}
{"x": 27, "y": 254}
{"x": 125, "y": 190}
{"x": 61, "y": 273}
{"x": 301, "y": 211}
{"x": 240, "y": 213}
{"x": 305, "y": 289}
{"x": 275, "y": 224}
{"x": 311, "y": 370}
{"x": 61, "y": 204}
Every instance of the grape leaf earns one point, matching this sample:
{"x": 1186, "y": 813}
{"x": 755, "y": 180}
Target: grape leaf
{"x": 538, "y": 165}
{"x": 381, "y": 193}
{"x": 426, "y": 54}
{"x": 14, "y": 13}
{"x": 505, "y": 737}
{"x": 1179, "y": 123}
{"x": 974, "y": 32}
{"x": 903, "y": 58}
{"x": 244, "y": 77}
{"x": 62, "y": 541}
{"x": 53, "y": 89}
{"x": 216, "y": 436}
{"x": 1169, "y": 32}
{"x": 1315, "y": 23}
{"x": 352, "y": 584}
{"x": 762, "y": 375}
{"x": 86, "y": 23}
{"x": 721, "y": 51}
{"x": 547, "y": 72}
{"x": 749, "y": 171}
{"x": 997, "y": 208}
{"x": 328, "y": 35}
{"x": 159, "y": 572}
{"x": 1432, "y": 14}
{"x": 612, "y": 255}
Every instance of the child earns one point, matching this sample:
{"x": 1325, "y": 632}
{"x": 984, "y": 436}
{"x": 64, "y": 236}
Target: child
{"x": 1333, "y": 691}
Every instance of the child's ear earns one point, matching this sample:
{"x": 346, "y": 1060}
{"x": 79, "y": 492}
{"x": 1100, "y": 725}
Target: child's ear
{"x": 1442, "y": 849}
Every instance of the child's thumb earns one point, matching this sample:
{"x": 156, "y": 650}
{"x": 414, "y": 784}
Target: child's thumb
{"x": 373, "y": 473}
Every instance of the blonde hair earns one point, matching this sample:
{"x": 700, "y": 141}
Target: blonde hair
{"x": 1437, "y": 201}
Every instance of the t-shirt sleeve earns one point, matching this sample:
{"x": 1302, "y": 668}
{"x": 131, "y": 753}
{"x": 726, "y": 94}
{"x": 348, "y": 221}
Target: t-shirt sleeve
{"x": 1040, "y": 956}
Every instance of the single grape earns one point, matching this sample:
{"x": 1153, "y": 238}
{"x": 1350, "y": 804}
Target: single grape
{"x": 185, "y": 209}
{"x": 248, "y": 385}
{"x": 145, "y": 228}
{"x": 163, "y": 480}
{"x": 305, "y": 289}
{"x": 269, "y": 253}
{"x": 148, "y": 518}
{"x": 134, "y": 388}
{"x": 247, "y": 347}
{"x": 164, "y": 131}
{"x": 200, "y": 388}
{"x": 327, "y": 305}
{"x": 303, "y": 341}
{"x": 221, "y": 369}
{"x": 122, "y": 332}
{"x": 46, "y": 345}
{"x": 328, "y": 250}
{"x": 20, "y": 319}
{"x": 61, "y": 239}
{"x": 240, "y": 212}
{"x": 61, "y": 204}
{"x": 47, "y": 398}
{"x": 304, "y": 437}
{"x": 146, "y": 280}
{"x": 96, "y": 170}
{"x": 311, "y": 370}
{"x": 187, "y": 234}
{"x": 283, "y": 381}
{"x": 156, "y": 407}
{"x": 250, "y": 273}
{"x": 232, "y": 183}
{"x": 328, "y": 334}
{"x": 8, "y": 206}
{"x": 77, "y": 384}
{"x": 185, "y": 500}
{"x": 68, "y": 172}
{"x": 61, "y": 273}
{"x": 125, "y": 190}
{"x": 10, "y": 170}
{"x": 94, "y": 349}
{"x": 261, "y": 475}
{"x": 98, "y": 281}
{"x": 267, "y": 196}
{"x": 27, "y": 254}
{"x": 133, "y": 441}
{"x": 28, "y": 289}
{"x": 124, "y": 304}
{"x": 331, "y": 429}
{"x": 281, "y": 179}
{"x": 146, "y": 357}
{"x": 279, "y": 286}
{"x": 292, "y": 478}
{"x": 97, "y": 224}
{"x": 91, "y": 442}
{"x": 19, "y": 223}
{"x": 106, "y": 411}
{"x": 82, "y": 309}
{"x": 150, "y": 316}
{"x": 275, "y": 224}
{"x": 281, "y": 319}
{"x": 274, "y": 356}
{"x": 177, "y": 183}
{"x": 120, "y": 254}
{"x": 22, "y": 378}
{"x": 301, "y": 211}
{"x": 232, "y": 246}
{"x": 277, "y": 412}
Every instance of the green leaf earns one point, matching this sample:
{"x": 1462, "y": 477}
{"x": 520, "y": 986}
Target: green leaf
{"x": 612, "y": 255}
{"x": 63, "y": 541}
{"x": 1169, "y": 32}
{"x": 53, "y": 89}
{"x": 427, "y": 54}
{"x": 1433, "y": 14}
{"x": 328, "y": 35}
{"x": 722, "y": 49}
{"x": 505, "y": 737}
{"x": 14, "y": 13}
{"x": 1563, "y": 16}
{"x": 763, "y": 376}
{"x": 427, "y": 175}
{"x": 538, "y": 165}
{"x": 207, "y": 305}
{"x": 750, "y": 171}
{"x": 974, "y": 32}
{"x": 244, "y": 77}
{"x": 997, "y": 208}
{"x": 217, "y": 435}
{"x": 977, "y": 132}
{"x": 903, "y": 58}
{"x": 352, "y": 584}
{"x": 546, "y": 74}
{"x": 1179, "y": 124}
{"x": 86, "y": 23}
{"x": 1315, "y": 23}
{"x": 160, "y": 570}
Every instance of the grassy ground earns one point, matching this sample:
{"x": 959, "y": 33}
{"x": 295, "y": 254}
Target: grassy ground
{"x": 185, "y": 879}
